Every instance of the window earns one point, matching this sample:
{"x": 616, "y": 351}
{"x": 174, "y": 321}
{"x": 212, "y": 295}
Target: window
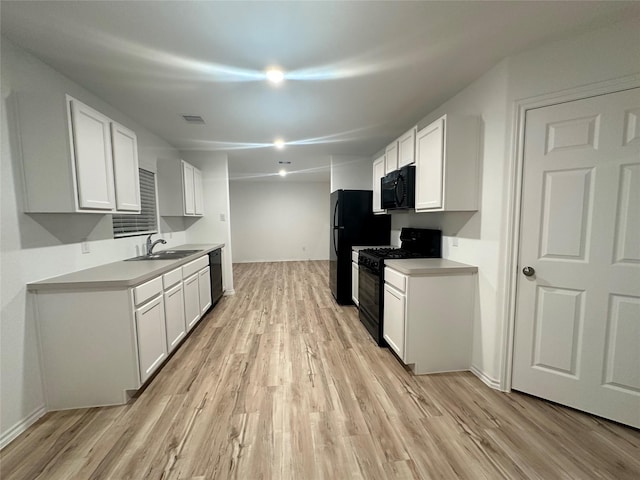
{"x": 146, "y": 221}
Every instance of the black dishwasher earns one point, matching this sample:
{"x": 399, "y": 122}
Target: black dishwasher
{"x": 215, "y": 270}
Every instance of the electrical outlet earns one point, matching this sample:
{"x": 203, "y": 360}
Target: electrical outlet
{"x": 222, "y": 217}
{"x": 84, "y": 246}
{"x": 454, "y": 241}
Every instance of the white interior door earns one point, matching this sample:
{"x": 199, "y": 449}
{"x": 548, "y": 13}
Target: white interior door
{"x": 577, "y": 335}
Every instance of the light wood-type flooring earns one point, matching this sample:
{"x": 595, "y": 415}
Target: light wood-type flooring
{"x": 279, "y": 382}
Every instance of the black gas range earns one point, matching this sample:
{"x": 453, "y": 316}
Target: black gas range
{"x": 416, "y": 243}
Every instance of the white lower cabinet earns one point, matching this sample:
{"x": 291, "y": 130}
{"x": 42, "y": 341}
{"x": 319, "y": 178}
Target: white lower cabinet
{"x": 174, "y": 316}
{"x": 355, "y": 280}
{"x": 151, "y": 336}
{"x": 204, "y": 286}
{"x": 428, "y": 319}
{"x": 99, "y": 346}
{"x": 151, "y": 333}
{"x": 355, "y": 271}
{"x": 191, "y": 301}
{"x": 197, "y": 290}
{"x": 394, "y": 319}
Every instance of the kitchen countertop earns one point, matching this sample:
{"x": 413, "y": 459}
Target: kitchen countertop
{"x": 122, "y": 274}
{"x": 429, "y": 266}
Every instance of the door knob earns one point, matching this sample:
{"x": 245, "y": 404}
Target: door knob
{"x": 528, "y": 271}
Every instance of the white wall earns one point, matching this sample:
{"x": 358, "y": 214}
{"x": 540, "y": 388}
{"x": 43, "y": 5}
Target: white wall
{"x": 483, "y": 237}
{"x": 214, "y": 227}
{"x": 478, "y": 234}
{"x": 33, "y": 247}
{"x": 349, "y": 172}
{"x": 279, "y": 221}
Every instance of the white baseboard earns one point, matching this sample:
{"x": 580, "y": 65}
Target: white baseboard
{"x": 495, "y": 384}
{"x": 229, "y": 292}
{"x": 8, "y": 436}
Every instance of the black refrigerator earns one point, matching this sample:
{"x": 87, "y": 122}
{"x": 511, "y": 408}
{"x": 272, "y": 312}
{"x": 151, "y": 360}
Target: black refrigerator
{"x": 352, "y": 223}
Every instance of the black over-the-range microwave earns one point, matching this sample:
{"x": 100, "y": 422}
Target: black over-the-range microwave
{"x": 398, "y": 189}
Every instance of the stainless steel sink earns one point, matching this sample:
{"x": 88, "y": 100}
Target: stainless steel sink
{"x": 165, "y": 255}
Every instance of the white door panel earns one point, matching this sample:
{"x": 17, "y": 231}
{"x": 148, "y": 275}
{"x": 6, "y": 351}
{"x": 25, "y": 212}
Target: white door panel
{"x": 558, "y": 328}
{"x": 577, "y": 336}
{"x": 566, "y": 214}
{"x": 623, "y": 346}
{"x": 627, "y": 250}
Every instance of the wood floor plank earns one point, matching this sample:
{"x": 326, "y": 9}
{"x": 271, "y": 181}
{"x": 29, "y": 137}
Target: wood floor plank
{"x": 279, "y": 382}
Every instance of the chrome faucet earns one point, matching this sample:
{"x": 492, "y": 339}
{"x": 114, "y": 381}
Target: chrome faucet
{"x": 151, "y": 245}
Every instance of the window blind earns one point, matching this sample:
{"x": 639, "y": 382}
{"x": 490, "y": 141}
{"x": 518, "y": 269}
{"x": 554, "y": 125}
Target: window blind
{"x": 146, "y": 221}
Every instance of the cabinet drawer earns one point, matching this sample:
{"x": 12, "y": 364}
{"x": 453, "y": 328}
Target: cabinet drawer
{"x": 354, "y": 257}
{"x": 171, "y": 278}
{"x": 396, "y": 279}
{"x": 195, "y": 266}
{"x": 144, "y": 292}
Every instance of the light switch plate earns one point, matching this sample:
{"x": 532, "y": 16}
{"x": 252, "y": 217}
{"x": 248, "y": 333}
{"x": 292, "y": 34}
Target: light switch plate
{"x": 84, "y": 246}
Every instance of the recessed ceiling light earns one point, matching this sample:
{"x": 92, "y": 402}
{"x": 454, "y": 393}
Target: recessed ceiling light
{"x": 282, "y": 173}
{"x": 278, "y": 143}
{"x": 275, "y": 75}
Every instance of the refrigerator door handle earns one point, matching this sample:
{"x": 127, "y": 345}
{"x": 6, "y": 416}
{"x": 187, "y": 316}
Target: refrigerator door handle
{"x": 335, "y": 214}
{"x": 335, "y": 240}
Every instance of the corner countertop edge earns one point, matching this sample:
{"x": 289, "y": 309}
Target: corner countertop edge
{"x": 429, "y": 266}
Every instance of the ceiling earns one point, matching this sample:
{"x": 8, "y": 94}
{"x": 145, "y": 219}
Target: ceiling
{"x": 358, "y": 74}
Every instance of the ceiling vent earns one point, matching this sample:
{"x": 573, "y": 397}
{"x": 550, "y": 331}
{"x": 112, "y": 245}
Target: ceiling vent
{"x": 193, "y": 119}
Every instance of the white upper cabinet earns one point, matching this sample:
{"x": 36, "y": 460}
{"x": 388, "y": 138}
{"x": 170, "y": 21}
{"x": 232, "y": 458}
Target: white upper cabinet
{"x": 391, "y": 157}
{"x": 407, "y": 148}
{"x": 93, "y": 157}
{"x": 378, "y": 173}
{"x": 180, "y": 191}
{"x": 429, "y": 166}
{"x": 67, "y": 157}
{"x": 447, "y": 165}
{"x": 198, "y": 199}
{"x": 188, "y": 190}
{"x": 125, "y": 165}
{"x": 400, "y": 152}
